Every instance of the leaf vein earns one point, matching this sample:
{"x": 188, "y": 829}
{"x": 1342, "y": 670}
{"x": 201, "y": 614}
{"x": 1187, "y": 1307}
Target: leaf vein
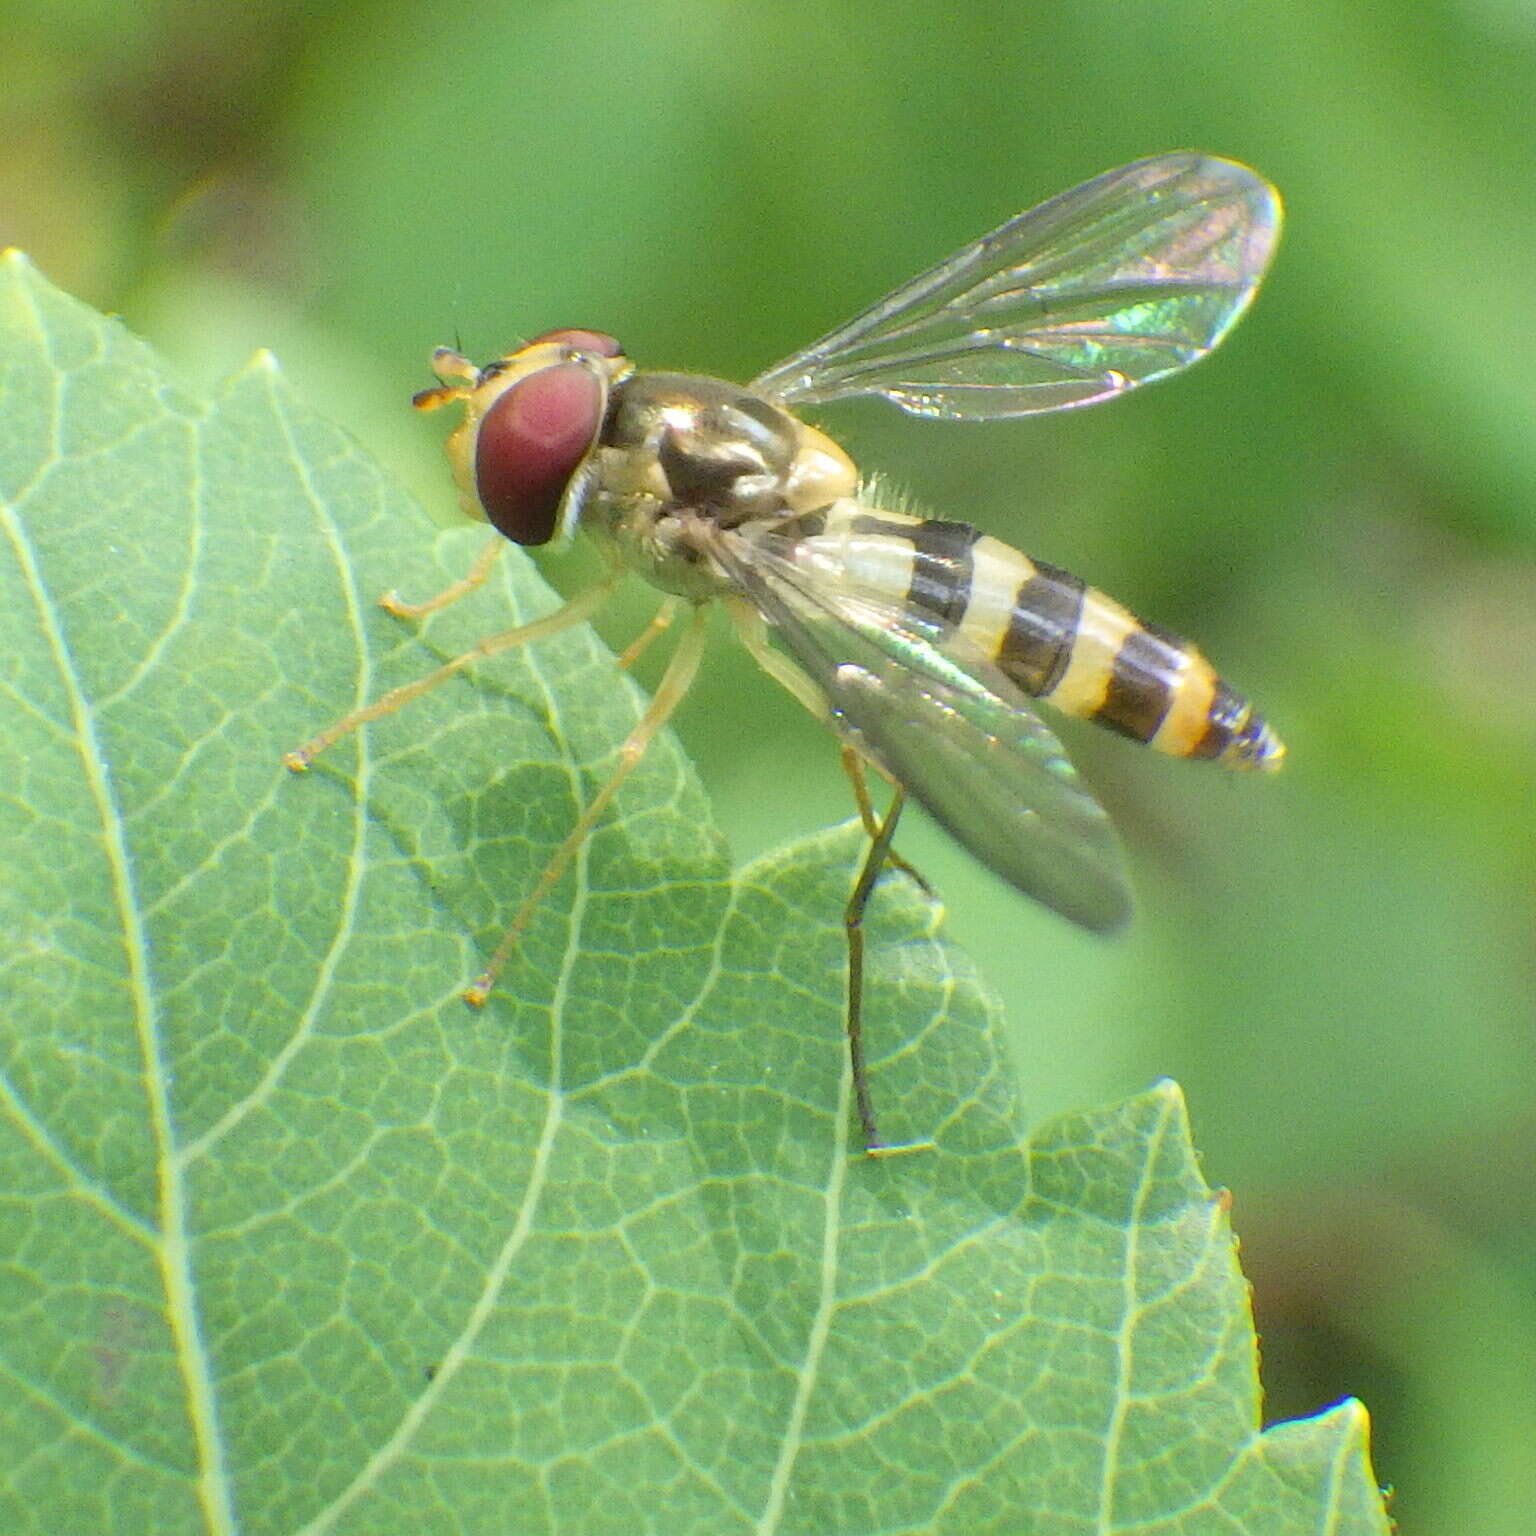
{"x": 347, "y": 906}
{"x": 173, "y": 1253}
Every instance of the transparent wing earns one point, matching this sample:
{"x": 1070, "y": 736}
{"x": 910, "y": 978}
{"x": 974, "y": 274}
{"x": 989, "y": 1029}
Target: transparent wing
{"x": 947, "y": 725}
{"x": 1131, "y": 276}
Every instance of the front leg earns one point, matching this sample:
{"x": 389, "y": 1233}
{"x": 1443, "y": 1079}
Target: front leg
{"x": 449, "y": 365}
{"x": 479, "y": 572}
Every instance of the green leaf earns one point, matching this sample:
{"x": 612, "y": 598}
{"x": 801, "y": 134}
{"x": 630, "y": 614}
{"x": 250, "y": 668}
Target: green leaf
{"x": 290, "y": 1240}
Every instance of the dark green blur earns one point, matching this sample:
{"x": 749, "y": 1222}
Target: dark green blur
{"x": 1338, "y": 965}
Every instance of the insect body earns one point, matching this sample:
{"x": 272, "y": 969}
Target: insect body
{"x": 922, "y": 643}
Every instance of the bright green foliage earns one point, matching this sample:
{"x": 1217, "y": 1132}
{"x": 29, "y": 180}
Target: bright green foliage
{"x": 290, "y": 1240}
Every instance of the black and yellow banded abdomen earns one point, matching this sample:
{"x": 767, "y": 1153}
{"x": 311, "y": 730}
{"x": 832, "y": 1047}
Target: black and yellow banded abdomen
{"x": 1052, "y": 634}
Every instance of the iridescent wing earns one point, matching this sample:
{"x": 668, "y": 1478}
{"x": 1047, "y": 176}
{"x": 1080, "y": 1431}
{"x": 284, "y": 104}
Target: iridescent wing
{"x": 962, "y": 739}
{"x": 1127, "y": 278}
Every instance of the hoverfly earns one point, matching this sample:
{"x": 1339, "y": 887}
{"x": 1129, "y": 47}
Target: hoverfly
{"x": 922, "y": 643}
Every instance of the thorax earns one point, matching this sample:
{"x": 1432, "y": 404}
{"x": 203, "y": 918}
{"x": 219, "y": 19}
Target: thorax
{"x": 682, "y": 456}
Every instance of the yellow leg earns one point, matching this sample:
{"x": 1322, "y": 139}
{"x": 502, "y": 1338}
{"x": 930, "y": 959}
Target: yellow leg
{"x": 479, "y": 572}
{"x": 853, "y": 924}
{"x": 675, "y": 682}
{"x": 853, "y": 766}
{"x": 649, "y": 635}
{"x": 752, "y": 631}
{"x": 580, "y": 607}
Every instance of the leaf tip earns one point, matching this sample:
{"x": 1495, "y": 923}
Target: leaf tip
{"x": 1353, "y": 1419}
{"x": 16, "y": 263}
{"x": 1340, "y": 1435}
{"x": 1167, "y": 1093}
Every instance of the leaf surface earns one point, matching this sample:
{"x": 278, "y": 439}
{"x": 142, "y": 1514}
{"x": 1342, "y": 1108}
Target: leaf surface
{"x": 291, "y": 1241}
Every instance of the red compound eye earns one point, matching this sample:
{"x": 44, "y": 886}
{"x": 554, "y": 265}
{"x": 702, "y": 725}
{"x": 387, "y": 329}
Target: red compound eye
{"x": 596, "y": 342}
{"x": 530, "y": 443}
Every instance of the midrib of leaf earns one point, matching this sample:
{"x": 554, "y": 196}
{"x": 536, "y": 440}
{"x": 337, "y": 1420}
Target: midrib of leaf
{"x": 171, "y": 1248}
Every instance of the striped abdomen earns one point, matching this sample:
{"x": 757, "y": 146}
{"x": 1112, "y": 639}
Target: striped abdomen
{"x": 1056, "y": 637}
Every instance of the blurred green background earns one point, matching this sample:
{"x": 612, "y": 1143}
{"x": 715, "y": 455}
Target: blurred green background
{"x": 1341, "y": 507}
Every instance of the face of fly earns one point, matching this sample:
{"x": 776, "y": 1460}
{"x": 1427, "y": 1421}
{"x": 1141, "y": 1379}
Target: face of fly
{"x": 531, "y": 421}
{"x": 565, "y": 425}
